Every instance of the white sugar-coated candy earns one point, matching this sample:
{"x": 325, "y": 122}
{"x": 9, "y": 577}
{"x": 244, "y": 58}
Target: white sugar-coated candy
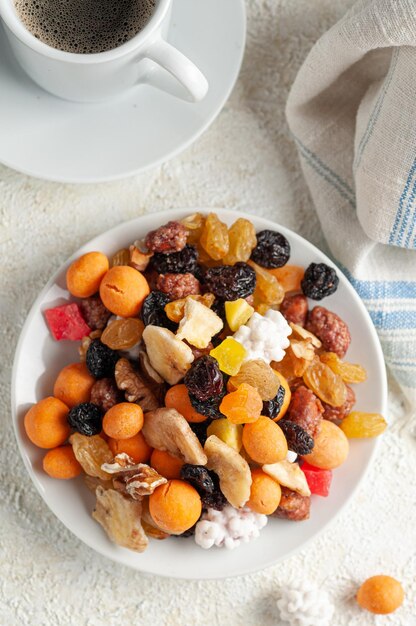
{"x": 228, "y": 528}
{"x": 264, "y": 337}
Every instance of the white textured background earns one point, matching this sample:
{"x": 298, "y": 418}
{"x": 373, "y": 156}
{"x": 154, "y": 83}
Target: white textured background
{"x": 246, "y": 160}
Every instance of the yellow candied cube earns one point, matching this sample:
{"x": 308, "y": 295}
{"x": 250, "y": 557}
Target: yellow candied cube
{"x": 238, "y": 312}
{"x": 230, "y": 354}
{"x": 231, "y": 434}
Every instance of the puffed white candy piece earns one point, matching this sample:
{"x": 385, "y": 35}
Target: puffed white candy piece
{"x": 228, "y": 528}
{"x": 304, "y": 604}
{"x": 264, "y": 336}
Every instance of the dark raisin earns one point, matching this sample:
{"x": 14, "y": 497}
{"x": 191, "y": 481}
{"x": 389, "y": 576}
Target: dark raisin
{"x": 219, "y": 308}
{"x": 153, "y": 311}
{"x": 204, "y": 379}
{"x": 209, "y": 408}
{"x": 101, "y": 360}
{"x": 95, "y": 313}
{"x": 231, "y": 282}
{"x": 272, "y": 250}
{"x": 216, "y": 499}
{"x": 86, "y": 418}
{"x": 183, "y": 262}
{"x": 319, "y": 281}
{"x": 200, "y": 430}
{"x": 271, "y": 408}
{"x": 198, "y": 476}
{"x": 297, "y": 438}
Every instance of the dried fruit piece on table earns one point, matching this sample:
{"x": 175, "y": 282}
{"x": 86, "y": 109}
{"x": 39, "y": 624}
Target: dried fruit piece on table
{"x": 135, "y": 388}
{"x": 237, "y": 313}
{"x": 380, "y": 595}
{"x": 242, "y": 406}
{"x": 230, "y": 354}
{"x": 233, "y": 471}
{"x": 204, "y": 380}
{"x": 170, "y": 237}
{"x": 242, "y": 240}
{"x": 319, "y": 281}
{"x": 94, "y": 312}
{"x": 120, "y": 518}
{"x": 288, "y": 475}
{"x": 169, "y": 356}
{"x": 264, "y": 441}
{"x": 359, "y": 424}
{"x": 86, "y": 418}
{"x": 183, "y": 262}
{"x": 91, "y": 453}
{"x": 295, "y": 309}
{"x": 121, "y": 257}
{"x": 230, "y": 282}
{"x": 331, "y": 447}
{"x": 293, "y": 506}
{"x": 259, "y": 375}
{"x": 305, "y": 410}
{"x": 289, "y": 276}
{"x": 214, "y": 237}
{"x": 330, "y": 329}
{"x": 298, "y": 440}
{"x": 194, "y": 224}
{"x": 265, "y": 493}
{"x": 349, "y": 372}
{"x": 264, "y": 337}
{"x": 175, "y": 310}
{"x": 123, "y": 334}
{"x": 166, "y": 429}
{"x": 67, "y": 322}
{"x": 272, "y": 249}
{"x": 338, "y": 413}
{"x": 199, "y": 324}
{"x": 177, "y": 398}
{"x": 84, "y": 275}
{"x": 319, "y": 480}
{"x": 329, "y": 387}
{"x": 178, "y": 286}
{"x": 268, "y": 290}
{"x": 100, "y": 359}
{"x": 153, "y": 310}
{"x": 231, "y": 434}
{"x": 138, "y": 259}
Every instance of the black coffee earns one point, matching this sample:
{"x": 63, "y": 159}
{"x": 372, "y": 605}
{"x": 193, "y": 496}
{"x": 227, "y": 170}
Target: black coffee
{"x": 84, "y": 26}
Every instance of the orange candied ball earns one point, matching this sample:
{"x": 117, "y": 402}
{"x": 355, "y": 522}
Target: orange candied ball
{"x": 287, "y": 397}
{"x": 175, "y": 506}
{"x": 265, "y": 493}
{"x": 380, "y": 595}
{"x": 166, "y": 464}
{"x": 289, "y": 276}
{"x": 331, "y": 447}
{"x": 123, "y": 420}
{"x": 61, "y": 463}
{"x": 136, "y": 447}
{"x": 74, "y": 384}
{"x": 84, "y": 275}
{"x": 46, "y": 423}
{"x": 264, "y": 441}
{"x": 177, "y": 398}
{"x": 242, "y": 406}
{"x": 123, "y": 290}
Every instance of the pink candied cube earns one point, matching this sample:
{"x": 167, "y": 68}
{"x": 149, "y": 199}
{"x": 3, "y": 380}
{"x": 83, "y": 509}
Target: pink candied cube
{"x": 66, "y": 322}
{"x": 319, "y": 480}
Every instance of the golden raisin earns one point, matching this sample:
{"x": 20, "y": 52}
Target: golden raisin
{"x": 349, "y": 372}
{"x": 123, "y": 334}
{"x": 359, "y": 424}
{"x": 242, "y": 237}
{"x": 214, "y": 238}
{"x": 329, "y": 387}
{"x": 268, "y": 290}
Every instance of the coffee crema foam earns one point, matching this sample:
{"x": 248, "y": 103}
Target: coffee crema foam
{"x": 84, "y": 26}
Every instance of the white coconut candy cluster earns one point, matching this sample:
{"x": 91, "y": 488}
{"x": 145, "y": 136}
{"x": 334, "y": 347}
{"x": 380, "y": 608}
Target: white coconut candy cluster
{"x": 304, "y": 604}
{"x": 228, "y": 528}
{"x": 265, "y": 336}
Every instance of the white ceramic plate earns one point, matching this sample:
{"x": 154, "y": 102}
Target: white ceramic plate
{"x": 39, "y": 359}
{"x": 50, "y": 138}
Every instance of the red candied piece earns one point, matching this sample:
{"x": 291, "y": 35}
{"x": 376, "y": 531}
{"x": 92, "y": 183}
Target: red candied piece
{"x": 66, "y": 322}
{"x": 319, "y": 480}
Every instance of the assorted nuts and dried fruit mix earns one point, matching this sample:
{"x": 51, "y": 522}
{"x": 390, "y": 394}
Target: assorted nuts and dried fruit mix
{"x": 211, "y": 391}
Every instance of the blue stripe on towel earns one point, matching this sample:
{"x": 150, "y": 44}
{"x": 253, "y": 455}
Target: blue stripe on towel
{"x": 381, "y": 290}
{"x": 393, "y": 319}
{"x": 395, "y": 235}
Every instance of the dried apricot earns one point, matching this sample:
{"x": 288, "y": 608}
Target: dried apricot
{"x": 242, "y": 240}
{"x": 242, "y": 406}
{"x": 359, "y": 424}
{"x": 214, "y": 238}
{"x": 349, "y": 372}
{"x": 289, "y": 276}
{"x": 329, "y": 387}
{"x": 123, "y": 334}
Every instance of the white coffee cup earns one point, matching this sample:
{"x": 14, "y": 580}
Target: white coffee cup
{"x": 97, "y": 77}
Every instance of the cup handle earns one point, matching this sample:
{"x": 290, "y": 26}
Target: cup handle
{"x": 181, "y": 68}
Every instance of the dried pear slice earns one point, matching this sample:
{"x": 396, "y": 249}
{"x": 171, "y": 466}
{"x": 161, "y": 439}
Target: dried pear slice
{"x": 288, "y": 475}
{"x": 232, "y": 469}
{"x": 169, "y": 356}
{"x": 120, "y": 518}
{"x": 199, "y": 324}
{"x": 91, "y": 453}
{"x": 166, "y": 429}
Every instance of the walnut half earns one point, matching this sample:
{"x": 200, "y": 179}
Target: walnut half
{"x": 136, "y": 390}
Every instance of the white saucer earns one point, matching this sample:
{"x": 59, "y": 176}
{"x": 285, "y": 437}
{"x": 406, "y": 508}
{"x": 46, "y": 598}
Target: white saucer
{"x": 49, "y": 138}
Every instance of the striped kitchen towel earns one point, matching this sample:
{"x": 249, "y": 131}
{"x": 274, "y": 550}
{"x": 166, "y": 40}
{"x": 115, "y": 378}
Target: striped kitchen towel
{"x": 352, "y": 112}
